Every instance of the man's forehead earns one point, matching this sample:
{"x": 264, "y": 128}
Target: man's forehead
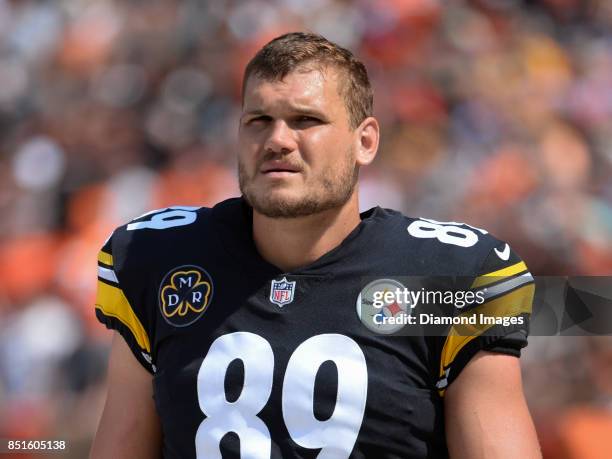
{"x": 304, "y": 85}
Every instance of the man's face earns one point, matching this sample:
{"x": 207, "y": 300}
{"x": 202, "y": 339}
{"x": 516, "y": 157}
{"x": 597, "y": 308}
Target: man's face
{"x": 296, "y": 148}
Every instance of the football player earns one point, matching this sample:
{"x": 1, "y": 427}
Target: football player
{"x": 237, "y": 331}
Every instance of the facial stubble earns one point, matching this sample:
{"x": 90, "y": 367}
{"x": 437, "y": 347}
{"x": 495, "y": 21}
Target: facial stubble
{"x": 331, "y": 190}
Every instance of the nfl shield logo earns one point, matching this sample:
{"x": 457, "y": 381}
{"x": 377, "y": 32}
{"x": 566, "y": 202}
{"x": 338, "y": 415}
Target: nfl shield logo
{"x": 281, "y": 292}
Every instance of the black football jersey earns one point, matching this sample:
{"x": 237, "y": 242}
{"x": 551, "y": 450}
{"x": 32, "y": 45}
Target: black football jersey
{"x": 252, "y": 362}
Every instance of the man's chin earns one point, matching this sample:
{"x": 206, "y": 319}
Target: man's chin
{"x": 282, "y": 205}
{"x": 293, "y": 201}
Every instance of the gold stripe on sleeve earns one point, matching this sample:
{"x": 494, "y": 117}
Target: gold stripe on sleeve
{"x": 509, "y": 305}
{"x": 494, "y": 276}
{"x": 111, "y": 301}
{"x": 105, "y": 258}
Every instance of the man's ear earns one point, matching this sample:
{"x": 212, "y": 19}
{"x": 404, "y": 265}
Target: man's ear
{"x": 368, "y": 135}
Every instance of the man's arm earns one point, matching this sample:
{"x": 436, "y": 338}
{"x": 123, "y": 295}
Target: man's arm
{"x": 486, "y": 415}
{"x": 130, "y": 426}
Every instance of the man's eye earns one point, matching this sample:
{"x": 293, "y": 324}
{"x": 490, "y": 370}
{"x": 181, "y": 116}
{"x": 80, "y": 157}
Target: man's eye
{"x": 259, "y": 119}
{"x": 307, "y": 119}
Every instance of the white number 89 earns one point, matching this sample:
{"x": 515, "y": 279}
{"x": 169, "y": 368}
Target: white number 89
{"x": 446, "y": 232}
{"x": 335, "y": 436}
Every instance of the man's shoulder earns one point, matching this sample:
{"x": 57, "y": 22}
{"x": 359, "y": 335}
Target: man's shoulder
{"x": 167, "y": 230}
{"x": 165, "y": 226}
{"x": 456, "y": 247}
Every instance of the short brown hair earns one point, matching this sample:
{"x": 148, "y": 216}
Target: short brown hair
{"x": 287, "y": 52}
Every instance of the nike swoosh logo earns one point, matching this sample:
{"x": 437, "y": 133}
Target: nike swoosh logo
{"x": 504, "y": 254}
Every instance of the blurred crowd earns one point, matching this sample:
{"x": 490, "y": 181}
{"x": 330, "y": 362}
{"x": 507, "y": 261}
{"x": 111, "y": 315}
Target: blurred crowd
{"x": 495, "y": 112}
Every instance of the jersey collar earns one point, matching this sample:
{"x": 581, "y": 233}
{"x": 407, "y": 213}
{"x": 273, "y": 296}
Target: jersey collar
{"x": 234, "y": 220}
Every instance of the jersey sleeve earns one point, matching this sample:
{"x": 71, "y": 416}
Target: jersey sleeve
{"x": 114, "y": 310}
{"x": 501, "y": 319}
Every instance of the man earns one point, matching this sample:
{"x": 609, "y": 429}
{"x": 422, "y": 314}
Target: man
{"x": 240, "y": 336}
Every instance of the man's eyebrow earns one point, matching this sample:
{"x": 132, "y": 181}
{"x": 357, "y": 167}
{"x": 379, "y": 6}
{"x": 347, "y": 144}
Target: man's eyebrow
{"x": 308, "y": 111}
{"x": 293, "y": 109}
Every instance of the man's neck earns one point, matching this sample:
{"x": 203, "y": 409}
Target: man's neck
{"x": 290, "y": 243}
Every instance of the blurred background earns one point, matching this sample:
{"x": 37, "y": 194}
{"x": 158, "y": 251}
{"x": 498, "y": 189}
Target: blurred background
{"x": 495, "y": 112}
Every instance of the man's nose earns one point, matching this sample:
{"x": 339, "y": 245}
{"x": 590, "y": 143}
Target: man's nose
{"x": 281, "y": 138}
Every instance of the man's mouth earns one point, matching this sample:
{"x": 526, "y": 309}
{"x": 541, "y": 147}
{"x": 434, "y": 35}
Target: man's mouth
{"x": 279, "y": 169}
{"x": 279, "y": 174}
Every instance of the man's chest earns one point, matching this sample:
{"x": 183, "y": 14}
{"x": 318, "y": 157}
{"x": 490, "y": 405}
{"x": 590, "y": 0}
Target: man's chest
{"x": 289, "y": 370}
